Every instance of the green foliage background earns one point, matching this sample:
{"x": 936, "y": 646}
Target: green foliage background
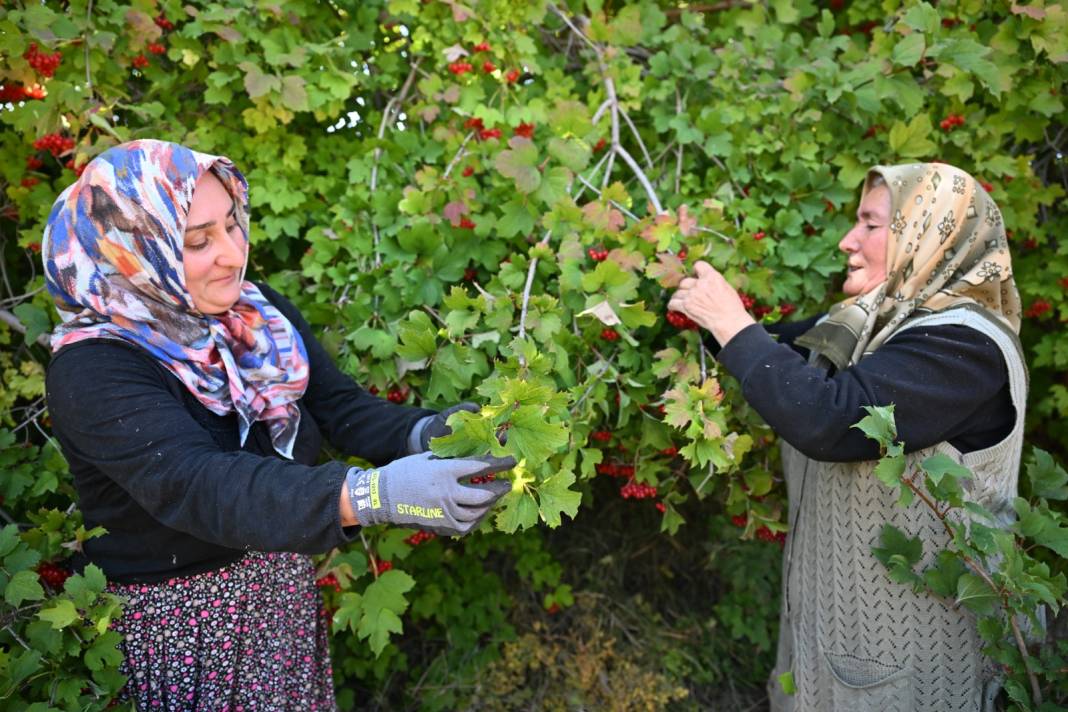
{"x": 447, "y": 263}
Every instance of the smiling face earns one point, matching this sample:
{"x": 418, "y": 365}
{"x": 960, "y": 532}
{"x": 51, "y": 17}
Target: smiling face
{"x": 215, "y": 248}
{"x": 865, "y": 243}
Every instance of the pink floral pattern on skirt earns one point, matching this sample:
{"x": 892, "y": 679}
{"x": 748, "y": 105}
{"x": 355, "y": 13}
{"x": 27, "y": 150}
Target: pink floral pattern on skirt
{"x": 251, "y": 636}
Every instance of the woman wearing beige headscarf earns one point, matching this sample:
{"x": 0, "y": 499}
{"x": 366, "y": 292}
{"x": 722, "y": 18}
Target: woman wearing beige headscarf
{"x": 929, "y": 325}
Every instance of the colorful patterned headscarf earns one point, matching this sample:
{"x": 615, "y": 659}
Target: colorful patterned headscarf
{"x": 113, "y": 264}
{"x": 946, "y": 248}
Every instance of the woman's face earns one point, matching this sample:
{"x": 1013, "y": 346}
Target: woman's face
{"x": 865, "y": 243}
{"x": 215, "y": 248}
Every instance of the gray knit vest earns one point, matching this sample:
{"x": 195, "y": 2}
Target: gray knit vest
{"x": 854, "y": 640}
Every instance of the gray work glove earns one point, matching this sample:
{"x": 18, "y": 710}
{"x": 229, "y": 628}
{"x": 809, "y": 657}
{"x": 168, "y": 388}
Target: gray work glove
{"x": 434, "y": 426}
{"x": 425, "y": 492}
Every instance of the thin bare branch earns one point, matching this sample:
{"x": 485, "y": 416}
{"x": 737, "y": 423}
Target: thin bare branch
{"x": 460, "y": 153}
{"x": 638, "y": 138}
{"x": 14, "y": 322}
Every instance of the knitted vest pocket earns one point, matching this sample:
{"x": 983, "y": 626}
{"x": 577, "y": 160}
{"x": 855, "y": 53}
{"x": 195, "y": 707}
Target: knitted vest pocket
{"x": 862, "y": 684}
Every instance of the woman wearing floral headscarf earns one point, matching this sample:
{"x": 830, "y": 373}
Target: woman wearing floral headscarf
{"x": 930, "y": 326}
{"x": 191, "y": 405}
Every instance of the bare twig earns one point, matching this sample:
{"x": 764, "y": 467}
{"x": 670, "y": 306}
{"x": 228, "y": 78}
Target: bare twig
{"x": 85, "y": 45}
{"x": 460, "y": 153}
{"x": 638, "y": 138}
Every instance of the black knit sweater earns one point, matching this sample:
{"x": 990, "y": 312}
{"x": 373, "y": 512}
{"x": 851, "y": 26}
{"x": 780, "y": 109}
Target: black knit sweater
{"x": 948, "y": 383}
{"x": 169, "y": 479}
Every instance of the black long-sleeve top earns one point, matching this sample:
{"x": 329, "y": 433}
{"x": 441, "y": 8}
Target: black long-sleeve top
{"x": 169, "y": 479}
{"x": 948, "y": 383}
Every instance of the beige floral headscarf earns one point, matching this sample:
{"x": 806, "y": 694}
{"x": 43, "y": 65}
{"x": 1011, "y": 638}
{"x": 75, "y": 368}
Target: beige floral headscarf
{"x": 946, "y": 248}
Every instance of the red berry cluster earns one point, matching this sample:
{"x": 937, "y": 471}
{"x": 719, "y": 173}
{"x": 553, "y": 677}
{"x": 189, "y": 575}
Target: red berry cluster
{"x": 328, "y": 581}
{"x": 512, "y": 76}
{"x": 474, "y": 123}
{"x": 759, "y": 235}
{"x": 397, "y": 395}
{"x": 156, "y": 48}
{"x": 988, "y": 187}
{"x": 481, "y": 480}
{"x": 1038, "y": 308}
{"x": 52, "y": 574}
{"x": 765, "y": 534}
{"x": 609, "y": 334}
{"x": 487, "y": 134}
{"x": 54, "y": 143}
{"x": 78, "y": 170}
{"x": 34, "y": 163}
{"x": 637, "y": 490}
{"x": 488, "y": 67}
{"x": 29, "y": 182}
{"x": 459, "y": 68}
{"x": 163, "y": 23}
{"x": 661, "y": 507}
{"x": 466, "y": 224}
{"x": 614, "y": 469}
{"x": 140, "y": 61}
{"x": 481, "y": 47}
{"x": 525, "y": 130}
{"x": 379, "y": 567}
{"x": 43, "y": 64}
{"x": 470, "y": 273}
{"x": 762, "y": 310}
{"x": 747, "y": 301}
{"x": 468, "y": 171}
{"x": 786, "y": 308}
{"x": 739, "y": 520}
{"x": 601, "y": 435}
{"x": 419, "y": 537}
{"x": 681, "y": 321}
{"x": 597, "y": 254}
{"x": 670, "y": 451}
{"x": 951, "y": 122}
{"x": 12, "y": 93}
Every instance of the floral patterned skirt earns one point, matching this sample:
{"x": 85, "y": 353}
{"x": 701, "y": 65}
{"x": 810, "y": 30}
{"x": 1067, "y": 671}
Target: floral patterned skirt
{"x": 248, "y": 636}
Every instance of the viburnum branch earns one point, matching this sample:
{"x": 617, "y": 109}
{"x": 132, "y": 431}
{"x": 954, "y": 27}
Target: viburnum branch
{"x": 599, "y": 114}
{"x": 638, "y": 138}
{"x": 980, "y": 571}
{"x": 642, "y": 178}
{"x": 13, "y": 321}
{"x": 701, "y": 351}
{"x": 85, "y": 46}
{"x": 460, "y": 153}
{"x": 388, "y": 116}
{"x": 678, "y": 150}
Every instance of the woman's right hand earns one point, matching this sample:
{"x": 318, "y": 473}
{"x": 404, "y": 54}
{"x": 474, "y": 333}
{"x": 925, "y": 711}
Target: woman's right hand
{"x": 425, "y": 492}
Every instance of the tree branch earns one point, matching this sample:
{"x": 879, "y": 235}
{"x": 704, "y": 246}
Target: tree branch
{"x": 13, "y": 321}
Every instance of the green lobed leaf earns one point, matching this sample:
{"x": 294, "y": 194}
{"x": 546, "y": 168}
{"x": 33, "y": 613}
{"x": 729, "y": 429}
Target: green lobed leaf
{"x": 879, "y": 424}
{"x": 976, "y": 595}
{"x": 23, "y": 586}
{"x": 556, "y": 497}
{"x": 383, "y": 602}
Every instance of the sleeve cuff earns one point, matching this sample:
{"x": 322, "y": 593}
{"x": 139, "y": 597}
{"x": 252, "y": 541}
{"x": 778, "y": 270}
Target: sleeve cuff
{"x": 415, "y": 435}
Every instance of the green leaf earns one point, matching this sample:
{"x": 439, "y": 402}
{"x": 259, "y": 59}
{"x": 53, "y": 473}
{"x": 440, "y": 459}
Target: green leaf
{"x": 912, "y": 141}
{"x": 104, "y": 652}
{"x": 879, "y": 424}
{"x": 889, "y": 470}
{"x": 922, "y": 18}
{"x": 516, "y": 219}
{"x": 60, "y": 614}
{"x": 533, "y": 437}
{"x": 942, "y": 465}
{"x": 471, "y": 435}
{"x": 899, "y": 554}
{"x": 973, "y": 593}
{"x": 786, "y": 682}
{"x": 1048, "y": 478}
{"x": 383, "y": 603}
{"x": 294, "y": 95}
{"x": 520, "y": 511}
{"x": 34, "y": 319}
{"x": 9, "y": 535}
{"x": 908, "y": 51}
{"x": 418, "y": 337}
{"x": 520, "y": 163}
{"x": 23, "y": 586}
{"x": 556, "y": 497}
{"x": 573, "y": 153}
{"x": 943, "y": 576}
{"x": 256, "y": 82}
{"x": 381, "y": 344}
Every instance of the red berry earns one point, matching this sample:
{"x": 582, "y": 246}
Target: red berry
{"x": 599, "y": 146}
{"x": 759, "y": 235}
{"x": 35, "y": 247}
{"x": 381, "y": 567}
{"x": 762, "y": 310}
{"x": 747, "y": 301}
{"x": 786, "y": 308}
{"x": 470, "y": 273}
{"x": 486, "y": 134}
{"x": 481, "y": 47}
{"x": 397, "y": 395}
{"x": 53, "y": 574}
{"x": 140, "y": 61}
{"x": 156, "y": 48}
{"x": 739, "y": 520}
{"x": 524, "y": 130}
{"x": 682, "y": 254}
{"x": 988, "y": 187}
{"x": 163, "y": 23}
{"x": 670, "y": 451}
{"x": 610, "y": 335}
{"x": 1038, "y": 308}
{"x": 29, "y": 182}
{"x": 488, "y": 67}
{"x": 468, "y": 171}
{"x": 466, "y": 224}
{"x": 421, "y": 536}
{"x": 328, "y": 581}
{"x": 33, "y": 163}
{"x": 661, "y": 507}
{"x": 553, "y": 609}
{"x": 474, "y": 123}
{"x": 681, "y": 321}
{"x": 459, "y": 68}
{"x": 1030, "y": 243}
{"x": 512, "y": 77}
{"x": 601, "y": 435}
{"x": 597, "y": 254}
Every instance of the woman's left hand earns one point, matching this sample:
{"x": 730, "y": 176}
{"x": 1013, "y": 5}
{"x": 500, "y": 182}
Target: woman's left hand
{"x": 712, "y": 302}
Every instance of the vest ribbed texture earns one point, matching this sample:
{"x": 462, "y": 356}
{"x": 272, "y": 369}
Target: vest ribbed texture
{"x": 855, "y": 640}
